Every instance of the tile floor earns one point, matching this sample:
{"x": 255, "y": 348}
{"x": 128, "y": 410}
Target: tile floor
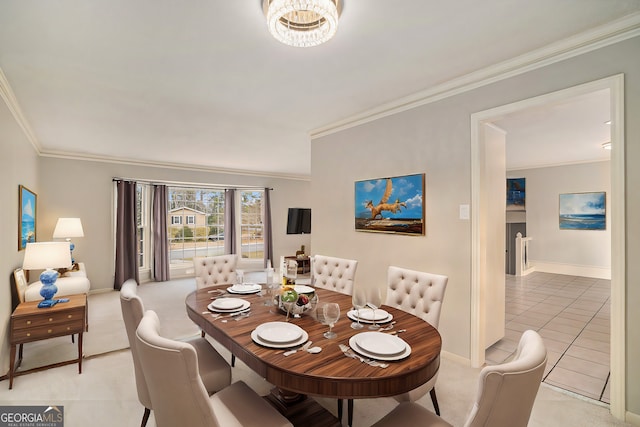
{"x": 572, "y": 314}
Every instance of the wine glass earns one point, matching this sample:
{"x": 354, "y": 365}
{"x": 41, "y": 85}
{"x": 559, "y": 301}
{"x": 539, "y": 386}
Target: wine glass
{"x": 374, "y": 300}
{"x": 359, "y": 300}
{"x": 331, "y": 314}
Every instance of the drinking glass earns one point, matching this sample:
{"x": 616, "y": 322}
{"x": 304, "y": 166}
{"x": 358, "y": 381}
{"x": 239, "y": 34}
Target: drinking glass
{"x": 239, "y": 277}
{"x": 359, "y": 300}
{"x": 374, "y": 300}
{"x": 331, "y": 314}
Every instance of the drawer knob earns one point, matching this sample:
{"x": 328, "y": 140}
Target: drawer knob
{"x": 69, "y": 316}
{"x": 28, "y": 334}
{"x": 28, "y": 322}
{"x": 49, "y": 331}
{"x": 50, "y": 319}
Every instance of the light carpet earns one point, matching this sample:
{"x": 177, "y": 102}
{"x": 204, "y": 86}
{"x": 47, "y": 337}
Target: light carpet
{"x": 106, "y": 327}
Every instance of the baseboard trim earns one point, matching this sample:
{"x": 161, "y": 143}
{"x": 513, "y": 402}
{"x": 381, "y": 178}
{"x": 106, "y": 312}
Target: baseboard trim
{"x": 451, "y": 356}
{"x": 632, "y": 418}
{"x": 572, "y": 269}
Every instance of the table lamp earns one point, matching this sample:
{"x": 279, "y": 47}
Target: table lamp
{"x": 66, "y": 228}
{"x": 47, "y": 255}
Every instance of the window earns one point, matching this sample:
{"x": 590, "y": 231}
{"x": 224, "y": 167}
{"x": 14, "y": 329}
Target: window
{"x": 141, "y": 224}
{"x": 202, "y": 233}
{"x": 251, "y": 225}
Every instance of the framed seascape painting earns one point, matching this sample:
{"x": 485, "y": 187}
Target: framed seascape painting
{"x": 390, "y": 205}
{"x": 516, "y": 194}
{"x": 583, "y": 211}
{"x": 26, "y": 217}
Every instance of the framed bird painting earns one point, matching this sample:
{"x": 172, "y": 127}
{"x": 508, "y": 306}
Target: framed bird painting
{"x": 391, "y": 205}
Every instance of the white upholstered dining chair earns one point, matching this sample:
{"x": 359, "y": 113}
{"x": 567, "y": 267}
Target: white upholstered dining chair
{"x": 420, "y": 294}
{"x": 505, "y": 398}
{"x": 334, "y": 274}
{"x": 178, "y": 394}
{"x": 214, "y": 370}
{"x": 215, "y": 270}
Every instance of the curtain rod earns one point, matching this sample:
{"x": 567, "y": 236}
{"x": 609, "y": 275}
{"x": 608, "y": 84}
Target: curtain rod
{"x": 193, "y": 184}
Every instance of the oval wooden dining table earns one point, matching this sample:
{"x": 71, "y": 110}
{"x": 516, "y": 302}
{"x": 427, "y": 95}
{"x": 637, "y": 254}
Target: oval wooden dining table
{"x": 326, "y": 374}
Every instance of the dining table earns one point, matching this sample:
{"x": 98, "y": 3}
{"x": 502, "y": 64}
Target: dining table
{"x": 329, "y": 373}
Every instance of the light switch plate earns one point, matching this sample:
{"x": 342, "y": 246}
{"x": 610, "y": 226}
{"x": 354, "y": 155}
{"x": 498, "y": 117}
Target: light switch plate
{"x": 464, "y": 211}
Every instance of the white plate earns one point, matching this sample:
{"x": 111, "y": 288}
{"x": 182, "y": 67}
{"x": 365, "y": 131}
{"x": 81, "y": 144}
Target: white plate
{"x": 354, "y": 346}
{"x": 353, "y": 315}
{"x": 227, "y": 303}
{"x": 303, "y": 339}
{"x": 368, "y": 314}
{"x": 304, "y": 289}
{"x": 245, "y": 305}
{"x": 245, "y": 288}
{"x": 279, "y": 332}
{"x": 380, "y": 343}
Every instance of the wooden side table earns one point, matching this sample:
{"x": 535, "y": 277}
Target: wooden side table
{"x": 30, "y": 323}
{"x": 304, "y": 263}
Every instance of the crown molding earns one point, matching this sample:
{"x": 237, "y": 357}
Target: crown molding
{"x": 12, "y": 104}
{"x": 170, "y": 165}
{"x": 605, "y": 35}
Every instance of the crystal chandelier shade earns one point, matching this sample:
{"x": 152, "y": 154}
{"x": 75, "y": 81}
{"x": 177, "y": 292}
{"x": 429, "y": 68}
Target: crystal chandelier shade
{"x": 302, "y": 23}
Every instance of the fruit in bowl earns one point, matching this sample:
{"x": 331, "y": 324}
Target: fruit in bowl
{"x": 296, "y": 300}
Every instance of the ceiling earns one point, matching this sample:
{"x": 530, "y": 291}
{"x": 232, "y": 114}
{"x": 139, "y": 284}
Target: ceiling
{"x": 203, "y": 84}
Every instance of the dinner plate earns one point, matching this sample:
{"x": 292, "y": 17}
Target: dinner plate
{"x": 354, "y": 346}
{"x": 304, "y": 289}
{"x": 245, "y": 305}
{"x": 371, "y": 315}
{"x": 245, "y": 288}
{"x": 227, "y": 303}
{"x": 279, "y": 332}
{"x": 303, "y": 339}
{"x": 353, "y": 315}
{"x": 380, "y": 343}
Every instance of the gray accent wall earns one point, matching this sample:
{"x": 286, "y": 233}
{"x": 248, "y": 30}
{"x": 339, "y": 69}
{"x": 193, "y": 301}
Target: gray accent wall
{"x": 435, "y": 139}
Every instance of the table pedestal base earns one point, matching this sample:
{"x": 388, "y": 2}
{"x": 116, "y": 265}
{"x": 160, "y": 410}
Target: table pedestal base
{"x": 301, "y": 410}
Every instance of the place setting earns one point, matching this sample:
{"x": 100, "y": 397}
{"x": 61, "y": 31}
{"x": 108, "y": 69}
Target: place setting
{"x": 279, "y": 335}
{"x": 244, "y": 288}
{"x": 229, "y": 305}
{"x": 380, "y": 346}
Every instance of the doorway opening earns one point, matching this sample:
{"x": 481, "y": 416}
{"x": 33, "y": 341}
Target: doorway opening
{"x": 478, "y": 308}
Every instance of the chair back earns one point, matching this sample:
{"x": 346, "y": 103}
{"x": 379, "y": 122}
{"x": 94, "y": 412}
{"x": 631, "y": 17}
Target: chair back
{"x": 506, "y": 392}
{"x": 132, "y": 312}
{"x": 335, "y": 274}
{"x": 215, "y": 270}
{"x": 416, "y": 292}
{"x": 171, "y": 371}
{"x": 21, "y": 283}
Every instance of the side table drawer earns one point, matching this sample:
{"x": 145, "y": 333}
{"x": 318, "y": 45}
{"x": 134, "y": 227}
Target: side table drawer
{"x": 36, "y": 320}
{"x": 47, "y": 331}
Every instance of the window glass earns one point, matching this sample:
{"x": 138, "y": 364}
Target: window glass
{"x": 201, "y": 232}
{"x": 251, "y": 225}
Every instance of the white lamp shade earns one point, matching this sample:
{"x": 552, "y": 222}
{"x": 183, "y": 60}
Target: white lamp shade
{"x": 41, "y": 255}
{"x": 68, "y": 227}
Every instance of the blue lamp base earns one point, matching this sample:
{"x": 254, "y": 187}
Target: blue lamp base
{"x": 49, "y": 288}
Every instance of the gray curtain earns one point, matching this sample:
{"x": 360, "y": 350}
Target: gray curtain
{"x": 160, "y": 237}
{"x": 230, "y": 222}
{"x": 268, "y": 235}
{"x": 126, "y": 234}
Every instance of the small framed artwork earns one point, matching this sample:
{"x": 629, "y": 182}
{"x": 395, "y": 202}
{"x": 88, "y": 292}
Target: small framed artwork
{"x": 583, "y": 211}
{"x": 516, "y": 194}
{"x": 390, "y": 205}
{"x": 26, "y": 217}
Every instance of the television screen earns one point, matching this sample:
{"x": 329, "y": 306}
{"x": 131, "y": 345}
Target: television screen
{"x": 299, "y": 221}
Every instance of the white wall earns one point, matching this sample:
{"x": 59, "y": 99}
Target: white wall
{"x": 18, "y": 166}
{"x": 584, "y": 252}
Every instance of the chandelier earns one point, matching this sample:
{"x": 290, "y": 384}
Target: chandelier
{"x": 302, "y": 23}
